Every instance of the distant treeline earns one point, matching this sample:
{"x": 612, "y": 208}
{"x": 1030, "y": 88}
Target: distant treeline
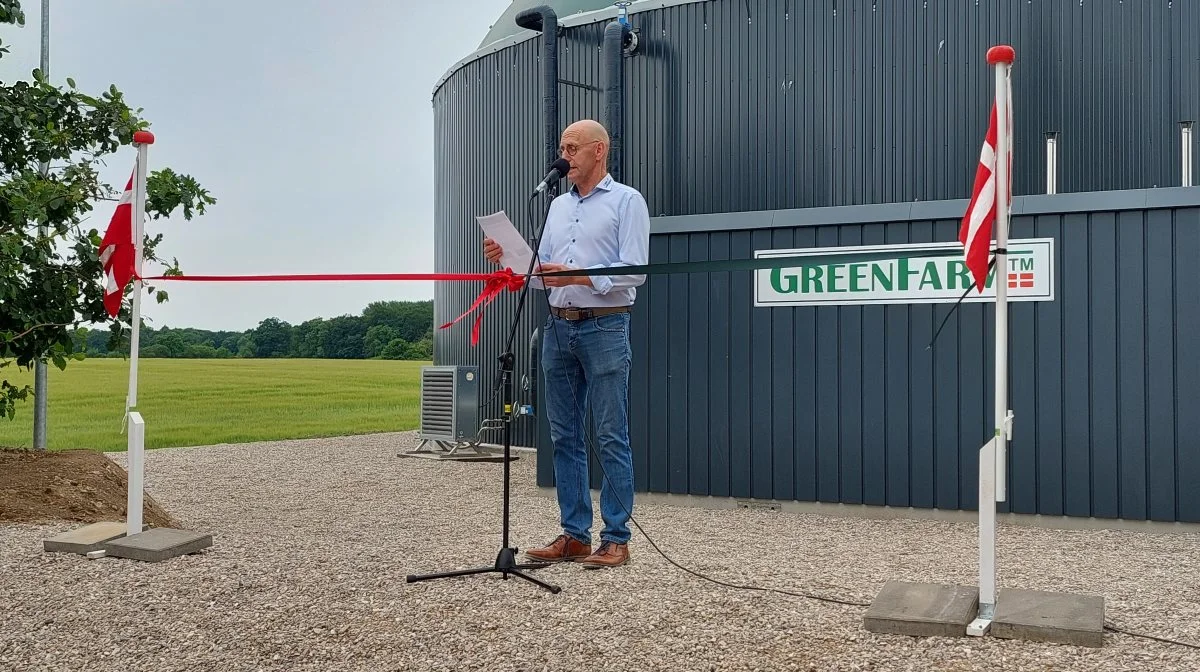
{"x": 385, "y": 330}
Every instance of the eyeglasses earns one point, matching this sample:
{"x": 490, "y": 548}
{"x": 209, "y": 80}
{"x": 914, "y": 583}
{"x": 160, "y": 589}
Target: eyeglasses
{"x": 570, "y": 150}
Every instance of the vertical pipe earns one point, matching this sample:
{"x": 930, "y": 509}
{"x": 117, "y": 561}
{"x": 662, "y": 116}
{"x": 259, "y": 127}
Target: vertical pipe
{"x": 40, "y": 390}
{"x": 544, "y": 19}
{"x": 614, "y": 95}
{"x": 1052, "y": 163}
{"x": 550, "y": 83}
{"x": 1185, "y": 131}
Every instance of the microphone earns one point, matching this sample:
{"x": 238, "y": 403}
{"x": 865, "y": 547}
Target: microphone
{"x": 558, "y": 170}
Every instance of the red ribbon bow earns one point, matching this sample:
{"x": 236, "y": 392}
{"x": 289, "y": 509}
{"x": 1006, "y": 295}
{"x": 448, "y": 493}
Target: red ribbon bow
{"x": 496, "y": 283}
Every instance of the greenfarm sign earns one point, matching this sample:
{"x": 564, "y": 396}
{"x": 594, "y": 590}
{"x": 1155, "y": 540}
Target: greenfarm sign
{"x": 908, "y": 278}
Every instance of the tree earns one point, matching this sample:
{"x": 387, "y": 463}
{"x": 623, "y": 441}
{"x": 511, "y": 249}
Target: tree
{"x": 378, "y": 337}
{"x": 397, "y": 348}
{"x": 97, "y": 342}
{"x": 410, "y": 319}
{"x": 246, "y": 345}
{"x": 79, "y": 340}
{"x": 272, "y": 338}
{"x": 51, "y": 280}
{"x": 171, "y": 343}
{"x": 310, "y": 338}
{"x": 346, "y": 338}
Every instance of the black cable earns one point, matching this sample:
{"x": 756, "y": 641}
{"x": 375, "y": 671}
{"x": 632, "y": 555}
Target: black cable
{"x": 600, "y": 463}
{"x": 1113, "y": 628}
{"x": 953, "y": 308}
{"x": 495, "y": 393}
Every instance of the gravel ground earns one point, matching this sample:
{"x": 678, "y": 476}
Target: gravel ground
{"x": 313, "y": 540}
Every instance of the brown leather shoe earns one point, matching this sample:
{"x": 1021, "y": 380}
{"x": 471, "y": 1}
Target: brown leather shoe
{"x": 610, "y": 554}
{"x": 563, "y": 549}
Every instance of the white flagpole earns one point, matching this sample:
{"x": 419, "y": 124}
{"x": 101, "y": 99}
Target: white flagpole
{"x": 992, "y": 455}
{"x": 1004, "y": 129}
{"x": 136, "y": 445}
{"x": 139, "y": 196}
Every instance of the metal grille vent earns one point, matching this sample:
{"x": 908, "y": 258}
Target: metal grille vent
{"x": 437, "y": 403}
{"x": 449, "y": 403}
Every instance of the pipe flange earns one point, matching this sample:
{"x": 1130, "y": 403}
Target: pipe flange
{"x": 631, "y": 42}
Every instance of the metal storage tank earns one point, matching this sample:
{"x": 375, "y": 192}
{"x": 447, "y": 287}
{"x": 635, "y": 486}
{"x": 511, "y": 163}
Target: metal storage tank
{"x": 772, "y": 124}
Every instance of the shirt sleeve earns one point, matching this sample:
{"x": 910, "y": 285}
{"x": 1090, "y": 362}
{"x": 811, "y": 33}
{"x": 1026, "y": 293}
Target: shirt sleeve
{"x": 542, "y": 253}
{"x": 633, "y": 240}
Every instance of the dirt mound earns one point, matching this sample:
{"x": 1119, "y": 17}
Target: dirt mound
{"x": 72, "y": 485}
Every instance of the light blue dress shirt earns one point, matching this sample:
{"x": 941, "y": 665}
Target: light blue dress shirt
{"x": 608, "y": 228}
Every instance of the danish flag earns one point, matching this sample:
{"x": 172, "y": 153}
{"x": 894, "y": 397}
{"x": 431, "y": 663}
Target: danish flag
{"x": 117, "y": 251}
{"x": 976, "y": 231}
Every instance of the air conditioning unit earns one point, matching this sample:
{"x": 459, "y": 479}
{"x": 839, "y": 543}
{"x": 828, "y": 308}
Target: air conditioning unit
{"x": 450, "y": 414}
{"x": 449, "y": 403}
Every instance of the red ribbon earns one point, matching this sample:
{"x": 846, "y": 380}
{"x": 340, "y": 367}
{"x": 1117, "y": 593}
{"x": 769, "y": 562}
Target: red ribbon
{"x": 495, "y": 283}
{"x": 335, "y": 276}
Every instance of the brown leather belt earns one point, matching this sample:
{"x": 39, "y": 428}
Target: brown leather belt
{"x": 586, "y": 313}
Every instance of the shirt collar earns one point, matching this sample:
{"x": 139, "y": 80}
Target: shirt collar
{"x": 604, "y": 185}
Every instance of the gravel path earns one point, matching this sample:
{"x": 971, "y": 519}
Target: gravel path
{"x": 313, "y": 540}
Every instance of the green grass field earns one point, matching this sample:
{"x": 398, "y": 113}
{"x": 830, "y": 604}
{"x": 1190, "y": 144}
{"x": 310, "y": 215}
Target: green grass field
{"x": 206, "y": 401}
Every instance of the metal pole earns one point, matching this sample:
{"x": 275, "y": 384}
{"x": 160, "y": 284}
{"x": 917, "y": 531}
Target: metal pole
{"x": 992, "y": 455}
{"x": 39, "y": 371}
{"x": 136, "y": 453}
{"x": 1051, "y": 163}
{"x": 1185, "y": 130}
{"x": 142, "y": 140}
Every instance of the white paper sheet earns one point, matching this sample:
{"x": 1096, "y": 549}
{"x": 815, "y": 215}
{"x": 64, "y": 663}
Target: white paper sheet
{"x": 516, "y": 253}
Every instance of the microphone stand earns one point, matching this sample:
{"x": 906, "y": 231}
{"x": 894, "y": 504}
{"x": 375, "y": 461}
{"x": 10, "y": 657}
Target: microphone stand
{"x": 506, "y": 562}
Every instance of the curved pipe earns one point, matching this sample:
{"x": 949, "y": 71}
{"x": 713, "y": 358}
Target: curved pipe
{"x": 544, "y": 20}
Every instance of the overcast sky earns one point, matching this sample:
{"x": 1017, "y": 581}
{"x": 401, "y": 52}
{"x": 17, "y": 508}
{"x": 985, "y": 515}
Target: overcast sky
{"x": 309, "y": 120}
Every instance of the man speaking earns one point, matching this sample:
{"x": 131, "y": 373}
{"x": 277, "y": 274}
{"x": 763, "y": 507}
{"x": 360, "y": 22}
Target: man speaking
{"x": 598, "y": 223}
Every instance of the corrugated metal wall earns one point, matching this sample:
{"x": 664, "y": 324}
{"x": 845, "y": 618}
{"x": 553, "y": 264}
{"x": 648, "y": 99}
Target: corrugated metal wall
{"x": 743, "y": 105}
{"x": 487, "y": 129}
{"x": 846, "y": 404}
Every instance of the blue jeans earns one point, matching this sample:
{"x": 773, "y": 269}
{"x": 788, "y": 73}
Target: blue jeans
{"x": 586, "y": 365}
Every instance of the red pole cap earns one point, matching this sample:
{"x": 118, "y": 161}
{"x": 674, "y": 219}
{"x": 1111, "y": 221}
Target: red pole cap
{"x": 1001, "y": 53}
{"x": 143, "y": 138}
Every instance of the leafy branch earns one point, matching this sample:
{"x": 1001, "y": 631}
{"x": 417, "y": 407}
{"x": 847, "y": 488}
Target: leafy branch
{"x": 51, "y": 277}
{"x": 9, "y": 338}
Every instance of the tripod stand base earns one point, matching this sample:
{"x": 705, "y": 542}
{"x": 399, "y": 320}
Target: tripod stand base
{"x": 506, "y": 564}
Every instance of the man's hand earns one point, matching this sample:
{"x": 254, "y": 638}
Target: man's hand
{"x": 563, "y": 281}
{"x": 491, "y": 250}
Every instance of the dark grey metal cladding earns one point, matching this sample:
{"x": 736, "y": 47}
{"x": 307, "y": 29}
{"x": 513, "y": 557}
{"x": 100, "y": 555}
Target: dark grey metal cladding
{"x": 750, "y": 105}
{"x": 487, "y": 119}
{"x": 763, "y": 105}
{"x": 846, "y": 404}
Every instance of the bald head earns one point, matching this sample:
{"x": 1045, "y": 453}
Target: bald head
{"x": 585, "y": 145}
{"x": 589, "y": 129}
